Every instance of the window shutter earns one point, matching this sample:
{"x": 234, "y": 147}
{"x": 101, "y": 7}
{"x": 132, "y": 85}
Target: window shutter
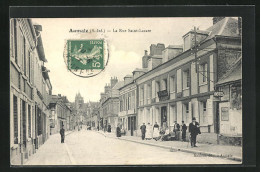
{"x": 12, "y": 47}
{"x": 206, "y": 72}
{"x": 188, "y": 78}
{"x": 15, "y": 116}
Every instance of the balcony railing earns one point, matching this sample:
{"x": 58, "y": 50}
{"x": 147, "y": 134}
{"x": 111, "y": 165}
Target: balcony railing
{"x": 163, "y": 95}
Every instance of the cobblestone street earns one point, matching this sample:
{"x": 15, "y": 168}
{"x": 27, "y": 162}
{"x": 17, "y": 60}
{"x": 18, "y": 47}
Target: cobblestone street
{"x": 92, "y": 148}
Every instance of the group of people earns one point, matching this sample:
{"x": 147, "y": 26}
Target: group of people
{"x": 164, "y": 134}
{"x": 107, "y": 128}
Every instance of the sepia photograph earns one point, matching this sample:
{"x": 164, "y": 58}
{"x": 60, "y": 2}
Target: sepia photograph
{"x": 126, "y": 91}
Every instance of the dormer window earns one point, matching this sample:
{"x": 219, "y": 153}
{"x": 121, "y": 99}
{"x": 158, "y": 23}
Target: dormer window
{"x": 189, "y": 38}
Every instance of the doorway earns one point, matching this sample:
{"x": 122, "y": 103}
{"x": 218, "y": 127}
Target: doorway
{"x": 224, "y": 121}
{"x": 132, "y": 124}
{"x": 164, "y": 116}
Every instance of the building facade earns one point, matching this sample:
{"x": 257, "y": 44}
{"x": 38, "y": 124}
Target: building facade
{"x": 80, "y": 110}
{"x": 61, "y": 113}
{"x": 229, "y": 104}
{"x": 110, "y": 104}
{"x": 127, "y": 115}
{"x": 180, "y": 85}
{"x": 30, "y": 91}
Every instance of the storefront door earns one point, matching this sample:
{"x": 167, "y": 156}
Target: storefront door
{"x": 163, "y": 116}
{"x": 24, "y": 123}
{"x": 132, "y": 124}
{"x": 224, "y": 123}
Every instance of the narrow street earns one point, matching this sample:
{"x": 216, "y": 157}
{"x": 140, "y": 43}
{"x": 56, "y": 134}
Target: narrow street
{"x": 92, "y": 148}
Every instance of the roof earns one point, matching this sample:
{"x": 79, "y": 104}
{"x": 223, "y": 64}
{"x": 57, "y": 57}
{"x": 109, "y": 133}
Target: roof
{"x": 234, "y": 74}
{"x": 204, "y": 32}
{"x": 128, "y": 76}
{"x": 225, "y": 27}
{"x": 118, "y": 85}
{"x": 174, "y": 46}
{"x": 140, "y": 70}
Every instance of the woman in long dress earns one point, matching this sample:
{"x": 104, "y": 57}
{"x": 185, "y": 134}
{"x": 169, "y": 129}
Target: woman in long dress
{"x": 156, "y": 132}
{"x": 149, "y": 132}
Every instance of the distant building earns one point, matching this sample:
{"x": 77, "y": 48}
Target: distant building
{"x": 92, "y": 114}
{"x": 109, "y": 103}
{"x": 80, "y": 109}
{"x": 60, "y": 113}
{"x": 127, "y": 115}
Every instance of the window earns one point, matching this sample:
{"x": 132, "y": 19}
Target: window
{"x": 15, "y": 119}
{"x": 157, "y": 88}
{"x": 128, "y": 101}
{"x": 149, "y": 94}
{"x": 24, "y": 56}
{"x": 20, "y": 47}
{"x": 172, "y": 84}
{"x": 29, "y": 66}
{"x": 203, "y": 72}
{"x": 205, "y": 106}
{"x": 165, "y": 84}
{"x": 133, "y": 99}
{"x": 121, "y": 104}
{"x": 141, "y": 96}
{"x": 186, "y": 112}
{"x": 13, "y": 39}
{"x": 187, "y": 107}
{"x": 186, "y": 78}
{"x": 24, "y": 121}
{"x": 203, "y": 112}
{"x": 29, "y": 121}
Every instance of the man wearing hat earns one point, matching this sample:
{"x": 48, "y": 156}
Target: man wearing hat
{"x": 62, "y": 134}
{"x": 194, "y": 129}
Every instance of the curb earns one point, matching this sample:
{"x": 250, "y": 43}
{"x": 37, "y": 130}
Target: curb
{"x": 182, "y": 150}
{"x": 70, "y": 133}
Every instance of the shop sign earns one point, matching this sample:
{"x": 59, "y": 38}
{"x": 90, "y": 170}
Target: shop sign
{"x": 218, "y": 94}
{"x": 163, "y": 95}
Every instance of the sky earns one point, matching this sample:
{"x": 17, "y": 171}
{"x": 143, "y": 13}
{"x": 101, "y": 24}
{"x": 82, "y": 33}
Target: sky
{"x": 126, "y": 49}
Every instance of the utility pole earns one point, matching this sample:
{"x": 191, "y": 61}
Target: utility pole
{"x": 195, "y": 48}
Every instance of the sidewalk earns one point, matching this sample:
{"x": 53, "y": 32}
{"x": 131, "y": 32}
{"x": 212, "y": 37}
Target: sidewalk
{"x": 222, "y": 151}
{"x": 53, "y": 151}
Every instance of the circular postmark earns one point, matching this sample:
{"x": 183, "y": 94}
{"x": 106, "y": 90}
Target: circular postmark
{"x": 86, "y": 57}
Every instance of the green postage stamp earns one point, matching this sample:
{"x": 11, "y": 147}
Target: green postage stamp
{"x": 85, "y": 58}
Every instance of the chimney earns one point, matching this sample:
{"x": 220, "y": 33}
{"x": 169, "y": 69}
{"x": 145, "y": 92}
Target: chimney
{"x": 217, "y": 19}
{"x": 106, "y": 89}
{"x": 59, "y": 95}
{"x": 156, "y": 49}
{"x": 128, "y": 79}
{"x": 145, "y": 61}
{"x": 145, "y": 52}
{"x": 113, "y": 81}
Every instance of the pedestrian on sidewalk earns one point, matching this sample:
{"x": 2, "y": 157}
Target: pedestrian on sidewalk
{"x": 176, "y": 130}
{"x": 62, "y": 134}
{"x": 109, "y": 128}
{"x": 194, "y": 129}
{"x": 118, "y": 131}
{"x": 143, "y": 130}
{"x": 183, "y": 131}
{"x": 149, "y": 132}
{"x": 156, "y": 132}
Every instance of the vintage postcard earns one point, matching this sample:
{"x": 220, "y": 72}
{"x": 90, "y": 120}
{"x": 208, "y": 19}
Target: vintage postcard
{"x": 125, "y": 91}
